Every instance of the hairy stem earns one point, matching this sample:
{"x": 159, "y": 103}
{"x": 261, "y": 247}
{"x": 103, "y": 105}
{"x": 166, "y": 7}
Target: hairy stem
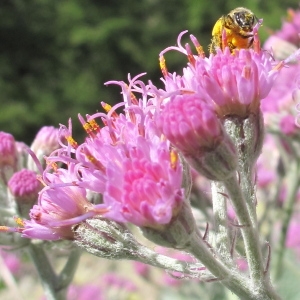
{"x": 46, "y": 273}
{"x": 260, "y": 283}
{"x": 219, "y": 202}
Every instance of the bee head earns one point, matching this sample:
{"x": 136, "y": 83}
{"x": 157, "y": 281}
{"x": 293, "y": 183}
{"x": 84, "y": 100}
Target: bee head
{"x": 244, "y": 18}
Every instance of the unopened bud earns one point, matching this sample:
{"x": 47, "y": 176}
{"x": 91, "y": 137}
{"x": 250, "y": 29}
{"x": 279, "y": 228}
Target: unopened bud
{"x": 105, "y": 238}
{"x": 25, "y": 187}
{"x": 45, "y": 142}
{"x": 8, "y": 155}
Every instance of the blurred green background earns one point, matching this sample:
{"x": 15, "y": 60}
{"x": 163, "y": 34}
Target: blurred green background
{"x": 55, "y": 55}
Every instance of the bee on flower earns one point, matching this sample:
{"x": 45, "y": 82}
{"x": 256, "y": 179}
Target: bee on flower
{"x": 238, "y": 25}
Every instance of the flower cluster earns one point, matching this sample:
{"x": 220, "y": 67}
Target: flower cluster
{"x": 127, "y": 161}
{"x": 279, "y": 106}
{"x": 134, "y": 166}
{"x": 19, "y": 184}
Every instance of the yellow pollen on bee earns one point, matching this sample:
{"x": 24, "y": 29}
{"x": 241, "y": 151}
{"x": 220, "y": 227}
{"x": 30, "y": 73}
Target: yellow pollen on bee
{"x": 163, "y": 67}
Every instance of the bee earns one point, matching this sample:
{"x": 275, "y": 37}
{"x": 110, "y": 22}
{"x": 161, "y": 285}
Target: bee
{"x": 238, "y": 25}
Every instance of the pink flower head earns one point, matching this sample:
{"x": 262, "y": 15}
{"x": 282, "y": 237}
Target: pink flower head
{"x": 12, "y": 261}
{"x": 46, "y": 141}
{"x": 24, "y": 185}
{"x": 86, "y": 292}
{"x": 141, "y": 268}
{"x": 112, "y": 280}
{"x": 137, "y": 172}
{"x": 279, "y": 105}
{"x": 146, "y": 187}
{"x": 267, "y": 163}
{"x": 60, "y": 206}
{"x": 288, "y": 126}
{"x": 293, "y": 238}
{"x": 190, "y": 124}
{"x": 8, "y": 150}
{"x": 231, "y": 83}
{"x": 291, "y": 27}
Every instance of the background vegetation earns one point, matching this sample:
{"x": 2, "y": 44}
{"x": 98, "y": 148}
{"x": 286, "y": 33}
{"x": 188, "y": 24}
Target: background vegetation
{"x": 55, "y": 55}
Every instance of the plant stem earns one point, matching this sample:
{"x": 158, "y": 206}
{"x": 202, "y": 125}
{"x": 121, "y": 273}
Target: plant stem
{"x": 46, "y": 273}
{"x": 229, "y": 277}
{"x": 260, "y": 283}
{"x": 67, "y": 273}
{"x": 221, "y": 221}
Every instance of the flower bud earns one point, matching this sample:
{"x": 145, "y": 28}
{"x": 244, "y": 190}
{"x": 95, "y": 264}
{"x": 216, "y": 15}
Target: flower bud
{"x": 105, "y": 238}
{"x": 44, "y": 143}
{"x": 193, "y": 128}
{"x": 25, "y": 187}
{"x": 8, "y": 155}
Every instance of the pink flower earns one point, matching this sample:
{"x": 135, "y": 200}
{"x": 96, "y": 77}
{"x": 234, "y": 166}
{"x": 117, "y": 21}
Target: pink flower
{"x": 279, "y": 106}
{"x": 232, "y": 83}
{"x": 193, "y": 127}
{"x": 280, "y": 97}
{"x": 113, "y": 281}
{"x": 190, "y": 124}
{"x": 288, "y": 126}
{"x": 290, "y": 28}
{"x": 293, "y": 238}
{"x": 145, "y": 187}
{"x": 46, "y": 141}
{"x": 85, "y": 292}
{"x": 137, "y": 172}
{"x": 8, "y": 150}
{"x": 141, "y": 268}
{"x": 24, "y": 185}
{"x": 12, "y": 261}
{"x": 267, "y": 163}
{"x": 60, "y": 206}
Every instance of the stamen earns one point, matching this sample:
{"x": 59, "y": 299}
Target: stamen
{"x": 52, "y": 164}
{"x": 94, "y": 160}
{"x": 72, "y": 142}
{"x": 197, "y": 45}
{"x": 133, "y": 98}
{"x": 173, "y": 158}
{"x": 163, "y": 67}
{"x": 247, "y": 72}
{"x": 190, "y": 55}
{"x": 19, "y": 221}
{"x": 141, "y": 129}
{"x": 96, "y": 128}
{"x": 108, "y": 108}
